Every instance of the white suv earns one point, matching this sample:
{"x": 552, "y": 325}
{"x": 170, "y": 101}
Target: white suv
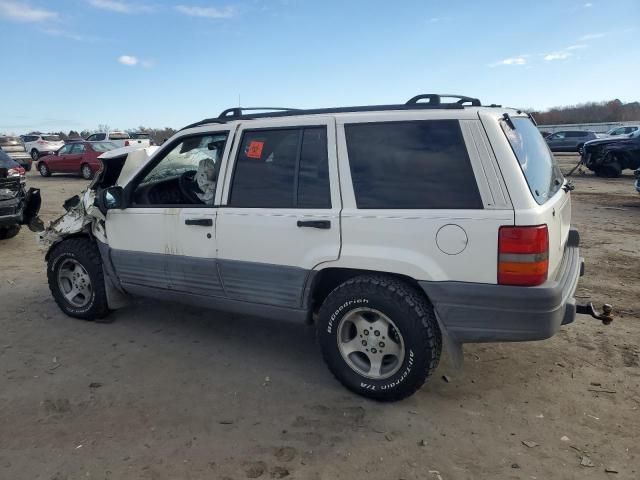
{"x": 41, "y": 144}
{"x": 396, "y": 228}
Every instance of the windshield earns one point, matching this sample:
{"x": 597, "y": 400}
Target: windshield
{"x": 536, "y": 160}
{"x": 51, "y": 138}
{"x": 103, "y": 146}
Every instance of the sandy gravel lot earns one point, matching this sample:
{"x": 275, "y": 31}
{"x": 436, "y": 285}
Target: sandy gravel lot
{"x": 167, "y": 392}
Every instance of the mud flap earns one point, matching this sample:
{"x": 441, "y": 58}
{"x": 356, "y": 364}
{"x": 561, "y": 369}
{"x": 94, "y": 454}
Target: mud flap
{"x": 32, "y": 203}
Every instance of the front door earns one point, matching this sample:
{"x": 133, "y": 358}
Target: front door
{"x": 165, "y": 240}
{"x": 280, "y": 213}
{"x": 57, "y": 162}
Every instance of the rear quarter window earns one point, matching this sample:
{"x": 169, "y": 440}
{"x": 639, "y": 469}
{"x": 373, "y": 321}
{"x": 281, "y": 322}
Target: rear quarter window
{"x": 534, "y": 157}
{"x": 411, "y": 165}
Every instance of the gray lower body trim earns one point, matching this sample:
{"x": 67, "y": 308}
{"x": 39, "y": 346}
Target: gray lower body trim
{"x": 472, "y": 312}
{"x": 221, "y": 304}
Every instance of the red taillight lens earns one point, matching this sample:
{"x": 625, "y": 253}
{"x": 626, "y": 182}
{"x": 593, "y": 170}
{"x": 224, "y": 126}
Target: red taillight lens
{"x": 523, "y": 255}
{"x": 16, "y": 172}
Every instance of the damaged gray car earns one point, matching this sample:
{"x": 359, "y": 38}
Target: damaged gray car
{"x": 18, "y": 206}
{"x": 608, "y": 157}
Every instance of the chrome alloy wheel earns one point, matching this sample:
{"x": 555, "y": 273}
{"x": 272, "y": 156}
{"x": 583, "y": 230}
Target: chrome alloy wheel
{"x": 370, "y": 343}
{"x": 74, "y": 283}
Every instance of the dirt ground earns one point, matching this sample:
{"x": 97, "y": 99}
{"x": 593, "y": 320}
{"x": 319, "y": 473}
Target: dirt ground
{"x": 167, "y": 392}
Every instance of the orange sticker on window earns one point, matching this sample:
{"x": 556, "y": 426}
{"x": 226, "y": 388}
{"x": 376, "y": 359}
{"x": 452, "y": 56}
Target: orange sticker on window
{"x": 255, "y": 149}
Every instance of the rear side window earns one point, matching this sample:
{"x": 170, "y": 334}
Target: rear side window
{"x": 536, "y": 160}
{"x": 411, "y": 165}
{"x": 282, "y": 168}
{"x": 117, "y": 136}
{"x": 51, "y": 138}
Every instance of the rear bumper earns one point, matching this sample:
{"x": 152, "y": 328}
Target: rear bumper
{"x": 472, "y": 312}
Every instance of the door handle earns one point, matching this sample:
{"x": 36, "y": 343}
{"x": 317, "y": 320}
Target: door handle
{"x": 200, "y": 222}
{"x": 322, "y": 224}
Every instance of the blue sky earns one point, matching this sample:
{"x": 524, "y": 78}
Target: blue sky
{"x": 74, "y": 64}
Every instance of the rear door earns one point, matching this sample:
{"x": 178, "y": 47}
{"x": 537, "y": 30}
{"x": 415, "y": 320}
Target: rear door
{"x": 280, "y": 212}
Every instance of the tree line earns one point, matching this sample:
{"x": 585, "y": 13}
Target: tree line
{"x": 591, "y": 112}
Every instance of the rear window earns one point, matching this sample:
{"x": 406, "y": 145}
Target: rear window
{"x": 411, "y": 165}
{"x": 51, "y": 138}
{"x": 536, "y": 160}
{"x": 141, "y": 136}
{"x": 118, "y": 136}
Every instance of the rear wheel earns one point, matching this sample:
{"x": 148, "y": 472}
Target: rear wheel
{"x": 44, "y": 170}
{"x": 86, "y": 172}
{"x": 610, "y": 168}
{"x": 9, "y": 232}
{"x": 379, "y": 337}
{"x": 76, "y": 280}
{"x": 35, "y": 155}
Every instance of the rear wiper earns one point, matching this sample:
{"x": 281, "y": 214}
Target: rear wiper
{"x": 508, "y": 120}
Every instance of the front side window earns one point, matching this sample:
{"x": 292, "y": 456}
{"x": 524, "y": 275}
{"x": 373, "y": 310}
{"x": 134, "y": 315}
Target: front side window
{"x": 78, "y": 148}
{"x": 411, "y": 165}
{"x": 64, "y": 150}
{"x": 186, "y": 175}
{"x": 536, "y": 160}
{"x": 282, "y": 168}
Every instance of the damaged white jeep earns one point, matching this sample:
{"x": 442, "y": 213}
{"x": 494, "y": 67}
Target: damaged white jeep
{"x": 396, "y": 228}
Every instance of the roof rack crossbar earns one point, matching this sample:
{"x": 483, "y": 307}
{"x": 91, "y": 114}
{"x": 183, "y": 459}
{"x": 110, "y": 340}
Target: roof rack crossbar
{"x": 436, "y": 99}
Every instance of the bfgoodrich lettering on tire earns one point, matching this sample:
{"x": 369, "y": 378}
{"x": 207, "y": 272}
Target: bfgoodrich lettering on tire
{"x": 379, "y": 337}
{"x": 76, "y": 281}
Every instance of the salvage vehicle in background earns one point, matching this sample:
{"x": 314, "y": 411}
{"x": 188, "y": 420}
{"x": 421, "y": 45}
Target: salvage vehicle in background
{"x": 624, "y": 130}
{"x": 41, "y": 144}
{"x": 14, "y": 147}
{"x": 608, "y": 157}
{"x": 121, "y": 139}
{"x": 17, "y": 206}
{"x": 569, "y": 140}
{"x": 75, "y": 157}
{"x": 144, "y": 139}
{"x": 449, "y": 223}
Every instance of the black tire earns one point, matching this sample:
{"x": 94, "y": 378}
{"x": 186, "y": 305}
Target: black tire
{"x": 414, "y": 318}
{"x": 612, "y": 170}
{"x": 44, "y": 170}
{"x": 86, "y": 172}
{"x": 9, "y": 232}
{"x": 35, "y": 155}
{"x": 580, "y": 149}
{"x": 84, "y": 252}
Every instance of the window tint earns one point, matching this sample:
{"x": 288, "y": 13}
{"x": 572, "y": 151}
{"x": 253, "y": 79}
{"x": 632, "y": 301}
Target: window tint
{"x": 64, "y": 150}
{"x": 536, "y": 160}
{"x": 98, "y": 136}
{"x": 78, "y": 148}
{"x": 576, "y": 134}
{"x": 265, "y": 169}
{"x": 421, "y": 164}
{"x": 313, "y": 178}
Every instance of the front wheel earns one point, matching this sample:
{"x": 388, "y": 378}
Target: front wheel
{"x": 9, "y": 232}
{"x": 379, "y": 337}
{"x": 76, "y": 281}
{"x": 44, "y": 170}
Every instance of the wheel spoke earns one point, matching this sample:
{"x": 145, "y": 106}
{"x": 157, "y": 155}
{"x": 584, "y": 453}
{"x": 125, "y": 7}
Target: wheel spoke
{"x": 360, "y": 322}
{"x": 66, "y": 275}
{"x": 392, "y": 348}
{"x": 354, "y": 345}
{"x": 71, "y": 294}
{"x": 376, "y": 366}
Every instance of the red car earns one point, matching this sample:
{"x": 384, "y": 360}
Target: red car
{"x": 76, "y": 157}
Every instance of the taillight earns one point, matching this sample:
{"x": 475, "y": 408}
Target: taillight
{"x": 41, "y": 142}
{"x": 523, "y": 255}
{"x": 16, "y": 172}
{"x": 126, "y": 143}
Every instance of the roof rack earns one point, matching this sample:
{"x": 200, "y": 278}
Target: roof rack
{"x": 434, "y": 102}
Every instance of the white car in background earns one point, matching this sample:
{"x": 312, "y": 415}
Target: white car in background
{"x": 122, "y": 139}
{"x": 623, "y": 130}
{"x": 42, "y": 144}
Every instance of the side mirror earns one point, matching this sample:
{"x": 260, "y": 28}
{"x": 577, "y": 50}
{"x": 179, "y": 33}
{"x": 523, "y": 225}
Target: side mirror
{"x": 111, "y": 198}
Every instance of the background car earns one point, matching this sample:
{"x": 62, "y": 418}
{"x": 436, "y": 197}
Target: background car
{"x": 14, "y": 147}
{"x": 41, "y": 144}
{"x": 569, "y": 140}
{"x": 608, "y": 157}
{"x": 11, "y": 196}
{"x": 121, "y": 139}
{"x": 76, "y": 157}
{"x": 624, "y": 130}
